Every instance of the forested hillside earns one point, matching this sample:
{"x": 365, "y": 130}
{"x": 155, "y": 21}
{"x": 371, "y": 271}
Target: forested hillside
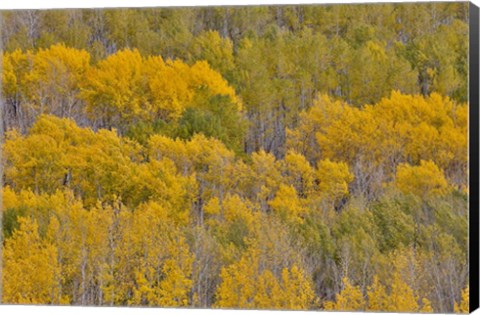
{"x": 270, "y": 157}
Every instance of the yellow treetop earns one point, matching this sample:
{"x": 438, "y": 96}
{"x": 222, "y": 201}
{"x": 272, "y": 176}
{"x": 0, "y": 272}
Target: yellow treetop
{"x": 423, "y": 180}
{"x": 349, "y": 299}
{"x": 31, "y": 272}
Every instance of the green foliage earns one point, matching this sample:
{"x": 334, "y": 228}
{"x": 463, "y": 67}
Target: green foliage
{"x": 394, "y": 222}
{"x": 218, "y": 118}
{"x": 10, "y": 220}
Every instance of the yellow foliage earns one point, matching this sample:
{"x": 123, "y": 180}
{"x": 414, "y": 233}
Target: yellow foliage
{"x": 423, "y": 180}
{"x": 333, "y": 179}
{"x": 402, "y": 298}
{"x": 160, "y": 147}
{"x": 398, "y": 297}
{"x": 80, "y": 238}
{"x": 15, "y": 68}
{"x": 114, "y": 87}
{"x": 269, "y": 294}
{"x": 287, "y": 204}
{"x": 245, "y": 285}
{"x": 126, "y": 87}
{"x": 202, "y": 76}
{"x": 463, "y": 307}
{"x": 152, "y": 266}
{"x": 426, "y": 306}
{"x": 31, "y": 272}
{"x": 33, "y": 162}
{"x": 349, "y": 299}
{"x": 160, "y": 181}
{"x": 266, "y": 176}
{"x": 237, "y": 209}
{"x": 175, "y": 287}
{"x": 213, "y": 206}
{"x": 57, "y": 153}
{"x": 54, "y": 80}
{"x": 237, "y": 288}
{"x": 378, "y": 299}
{"x": 395, "y": 294}
{"x": 300, "y": 173}
{"x": 9, "y": 198}
{"x": 396, "y": 129}
{"x": 168, "y": 86}
{"x": 298, "y": 293}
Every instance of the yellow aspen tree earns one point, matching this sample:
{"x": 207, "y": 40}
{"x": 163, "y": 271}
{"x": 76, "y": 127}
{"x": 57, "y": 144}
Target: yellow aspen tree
{"x": 202, "y": 75}
{"x": 266, "y": 177}
{"x": 206, "y": 159}
{"x": 155, "y": 264}
{"x": 426, "y": 306}
{"x": 15, "y": 67}
{"x": 143, "y": 293}
{"x": 213, "y": 207}
{"x": 297, "y": 290}
{"x": 68, "y": 229}
{"x": 33, "y": 162}
{"x": 160, "y": 147}
{"x": 334, "y": 178}
{"x": 30, "y": 267}
{"x": 349, "y": 299}
{"x": 126, "y": 87}
{"x": 175, "y": 287}
{"x": 236, "y": 209}
{"x": 342, "y": 138}
{"x": 210, "y": 158}
{"x": 168, "y": 87}
{"x": 463, "y": 307}
{"x": 112, "y": 255}
{"x": 54, "y": 80}
{"x": 378, "y": 298}
{"x": 402, "y": 297}
{"x": 420, "y": 141}
{"x": 268, "y": 294}
{"x": 237, "y": 289}
{"x": 287, "y": 204}
{"x": 314, "y": 124}
{"x": 399, "y": 297}
{"x": 160, "y": 181}
{"x": 300, "y": 173}
{"x": 423, "y": 180}
{"x": 113, "y": 90}
{"x": 246, "y": 285}
{"x": 396, "y": 129}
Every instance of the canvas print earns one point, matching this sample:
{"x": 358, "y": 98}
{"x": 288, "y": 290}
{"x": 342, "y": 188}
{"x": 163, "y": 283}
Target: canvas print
{"x": 294, "y": 157}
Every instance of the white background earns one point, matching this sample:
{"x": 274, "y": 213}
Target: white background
{"x": 71, "y": 310}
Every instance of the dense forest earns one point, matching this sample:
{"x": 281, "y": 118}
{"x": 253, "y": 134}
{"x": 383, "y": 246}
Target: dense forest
{"x": 267, "y": 157}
